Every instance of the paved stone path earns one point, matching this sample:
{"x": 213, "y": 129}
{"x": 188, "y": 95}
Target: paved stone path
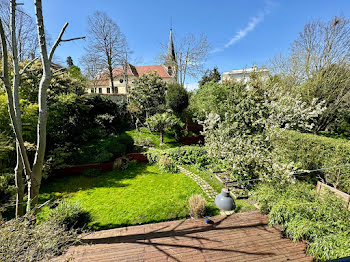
{"x": 238, "y": 237}
{"x": 207, "y": 189}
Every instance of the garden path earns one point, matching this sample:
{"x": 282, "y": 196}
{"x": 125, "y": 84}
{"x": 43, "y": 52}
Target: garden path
{"x": 206, "y": 188}
{"x": 237, "y": 237}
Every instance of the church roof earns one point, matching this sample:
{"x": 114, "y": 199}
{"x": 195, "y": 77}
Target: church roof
{"x": 171, "y": 50}
{"x": 135, "y": 71}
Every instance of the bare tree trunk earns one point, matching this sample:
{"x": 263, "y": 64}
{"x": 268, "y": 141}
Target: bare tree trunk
{"x": 19, "y": 184}
{"x": 111, "y": 78}
{"x": 16, "y": 80}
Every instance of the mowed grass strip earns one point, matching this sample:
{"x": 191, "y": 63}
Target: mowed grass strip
{"x": 140, "y": 194}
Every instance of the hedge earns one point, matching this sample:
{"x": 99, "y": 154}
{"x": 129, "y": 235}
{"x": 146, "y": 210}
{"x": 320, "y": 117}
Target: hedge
{"x": 311, "y": 151}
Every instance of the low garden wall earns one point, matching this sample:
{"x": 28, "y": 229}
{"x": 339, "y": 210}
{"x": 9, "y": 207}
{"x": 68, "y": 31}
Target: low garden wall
{"x": 108, "y": 166}
{"x": 345, "y": 197}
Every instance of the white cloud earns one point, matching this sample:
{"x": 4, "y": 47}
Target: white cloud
{"x": 191, "y": 86}
{"x": 254, "y": 21}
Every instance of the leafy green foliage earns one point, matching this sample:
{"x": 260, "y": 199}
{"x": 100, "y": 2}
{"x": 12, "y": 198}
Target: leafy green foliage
{"x": 7, "y": 188}
{"x": 312, "y": 152}
{"x": 69, "y": 214}
{"x": 305, "y": 215}
{"x": 176, "y": 98}
{"x": 105, "y": 149}
{"x": 211, "y": 97}
{"x": 162, "y": 122}
{"x": 189, "y": 155}
{"x": 210, "y": 76}
{"x": 166, "y": 164}
{"x": 147, "y": 97}
{"x": 61, "y": 83}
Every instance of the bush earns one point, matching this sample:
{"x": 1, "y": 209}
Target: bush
{"x": 23, "y": 241}
{"x": 166, "y": 164}
{"x": 69, "y": 214}
{"x": 189, "y": 155}
{"x": 7, "y": 188}
{"x": 305, "y": 215}
{"x": 197, "y": 205}
{"x": 143, "y": 141}
{"x": 313, "y": 152}
{"x": 105, "y": 149}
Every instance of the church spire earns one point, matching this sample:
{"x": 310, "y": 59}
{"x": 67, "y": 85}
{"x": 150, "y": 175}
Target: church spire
{"x": 171, "y": 50}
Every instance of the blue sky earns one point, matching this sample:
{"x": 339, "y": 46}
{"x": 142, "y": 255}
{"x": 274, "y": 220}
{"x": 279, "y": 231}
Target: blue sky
{"x": 240, "y": 32}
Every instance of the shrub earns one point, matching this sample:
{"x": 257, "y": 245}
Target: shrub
{"x": 197, "y": 205}
{"x": 331, "y": 246}
{"x": 143, "y": 141}
{"x": 24, "y": 241}
{"x": 69, "y": 214}
{"x": 153, "y": 156}
{"x": 7, "y": 188}
{"x": 105, "y": 149}
{"x": 305, "y": 215}
{"x": 165, "y": 163}
{"x": 312, "y": 152}
{"x": 189, "y": 155}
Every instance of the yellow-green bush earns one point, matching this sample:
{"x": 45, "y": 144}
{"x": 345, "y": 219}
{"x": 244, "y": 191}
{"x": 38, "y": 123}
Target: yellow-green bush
{"x": 312, "y": 152}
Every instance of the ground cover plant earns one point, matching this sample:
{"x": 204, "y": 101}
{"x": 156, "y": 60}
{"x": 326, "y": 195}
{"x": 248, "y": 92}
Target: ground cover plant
{"x": 139, "y": 194}
{"x": 323, "y": 221}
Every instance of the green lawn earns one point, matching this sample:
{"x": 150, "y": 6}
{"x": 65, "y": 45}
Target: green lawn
{"x": 140, "y": 194}
{"x": 169, "y": 140}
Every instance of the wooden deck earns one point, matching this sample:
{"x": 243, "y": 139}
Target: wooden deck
{"x": 238, "y": 237}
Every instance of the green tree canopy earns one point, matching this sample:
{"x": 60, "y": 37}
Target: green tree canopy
{"x": 210, "y": 75}
{"x": 147, "y": 97}
{"x": 162, "y": 122}
{"x": 176, "y": 98}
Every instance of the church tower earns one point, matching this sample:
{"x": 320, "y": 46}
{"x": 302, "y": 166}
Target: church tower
{"x": 170, "y": 63}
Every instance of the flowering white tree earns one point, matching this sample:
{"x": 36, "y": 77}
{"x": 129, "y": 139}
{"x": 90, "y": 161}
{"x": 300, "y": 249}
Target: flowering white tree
{"x": 242, "y": 141}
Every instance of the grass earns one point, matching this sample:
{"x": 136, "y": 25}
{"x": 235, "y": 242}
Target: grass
{"x": 140, "y": 194}
{"x": 169, "y": 140}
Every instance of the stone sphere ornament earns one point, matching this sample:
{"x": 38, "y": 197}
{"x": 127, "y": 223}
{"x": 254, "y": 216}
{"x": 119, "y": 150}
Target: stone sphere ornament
{"x": 224, "y": 201}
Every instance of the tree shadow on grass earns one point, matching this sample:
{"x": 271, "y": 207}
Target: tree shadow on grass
{"x": 173, "y": 234}
{"x": 68, "y": 185}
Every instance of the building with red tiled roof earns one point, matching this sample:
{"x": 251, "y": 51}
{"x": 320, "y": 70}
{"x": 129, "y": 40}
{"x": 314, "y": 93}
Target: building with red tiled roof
{"x": 124, "y": 78}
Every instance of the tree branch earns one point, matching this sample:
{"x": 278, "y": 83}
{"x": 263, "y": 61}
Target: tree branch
{"x": 27, "y": 65}
{"x": 58, "y": 40}
{"x": 72, "y": 39}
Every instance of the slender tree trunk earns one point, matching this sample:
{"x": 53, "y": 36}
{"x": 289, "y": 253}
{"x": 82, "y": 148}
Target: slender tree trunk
{"x": 15, "y": 84}
{"x": 161, "y": 137}
{"x": 19, "y": 184}
{"x": 36, "y": 175}
{"x": 110, "y": 70}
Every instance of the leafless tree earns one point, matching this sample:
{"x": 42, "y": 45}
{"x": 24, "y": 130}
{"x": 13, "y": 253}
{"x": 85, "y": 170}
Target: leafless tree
{"x": 106, "y": 42}
{"x": 191, "y": 52}
{"x": 318, "y": 67}
{"x": 27, "y": 42}
{"x": 33, "y": 173}
{"x": 320, "y": 45}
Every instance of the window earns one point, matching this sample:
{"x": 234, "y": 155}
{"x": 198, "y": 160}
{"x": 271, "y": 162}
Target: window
{"x": 100, "y": 90}
{"x": 121, "y": 80}
{"x": 108, "y": 90}
{"x": 170, "y": 70}
{"x": 92, "y": 90}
